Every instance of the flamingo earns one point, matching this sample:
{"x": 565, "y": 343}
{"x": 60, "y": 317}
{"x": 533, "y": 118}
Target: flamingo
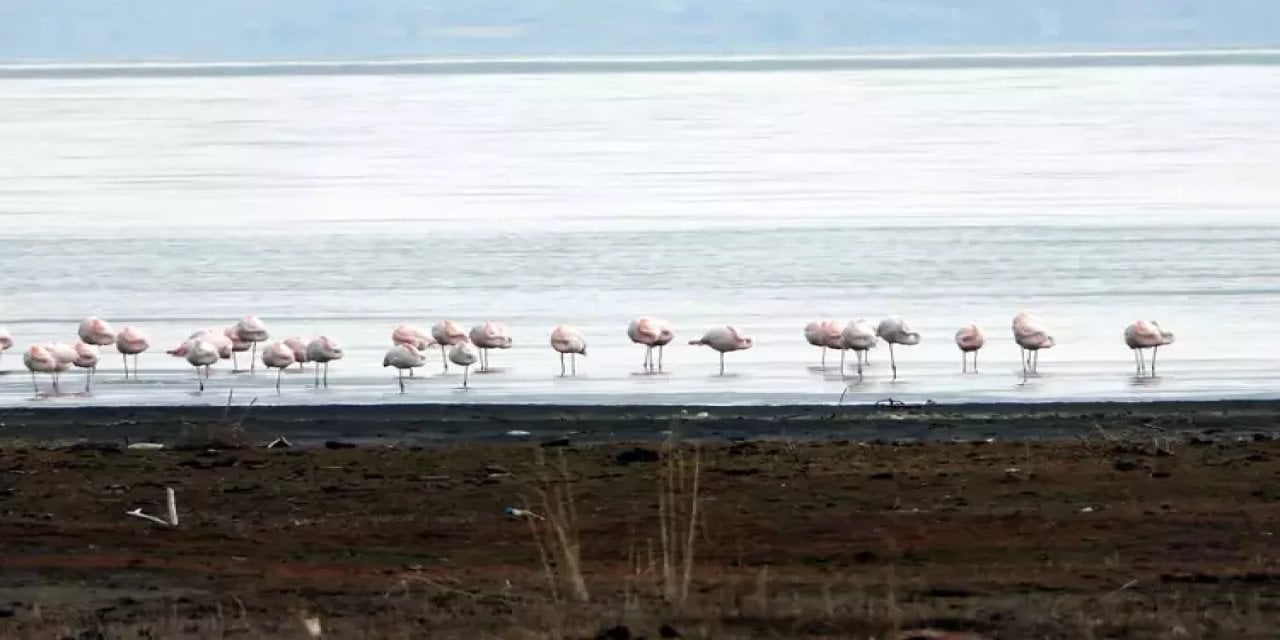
{"x": 413, "y": 336}
{"x": 40, "y": 359}
{"x": 253, "y": 330}
{"x": 447, "y": 333}
{"x": 130, "y": 342}
{"x": 823, "y": 333}
{"x": 464, "y": 354}
{"x": 299, "y": 348}
{"x": 724, "y": 340}
{"x": 237, "y": 346}
{"x": 653, "y": 334}
{"x": 860, "y": 336}
{"x": 490, "y": 335}
{"x": 87, "y": 359}
{"x": 323, "y": 350}
{"x": 970, "y": 339}
{"x": 566, "y": 339}
{"x": 200, "y": 352}
{"x": 96, "y": 331}
{"x": 278, "y": 356}
{"x": 1031, "y": 335}
{"x": 65, "y": 354}
{"x": 894, "y": 330}
{"x": 6, "y": 340}
{"x": 1146, "y": 334}
{"x": 403, "y": 356}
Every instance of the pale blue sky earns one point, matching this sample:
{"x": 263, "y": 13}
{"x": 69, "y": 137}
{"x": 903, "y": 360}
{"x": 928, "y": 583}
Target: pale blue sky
{"x": 346, "y": 29}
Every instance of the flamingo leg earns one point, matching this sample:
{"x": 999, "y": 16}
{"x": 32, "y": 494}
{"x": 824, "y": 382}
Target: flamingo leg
{"x": 1035, "y": 362}
{"x": 253, "y": 359}
{"x": 648, "y": 358}
{"x": 964, "y": 362}
{"x": 1022, "y": 356}
{"x": 466, "y": 374}
{"x": 444, "y": 359}
{"x": 33, "y": 382}
{"x": 125, "y": 358}
{"x": 326, "y": 375}
{"x": 893, "y": 363}
{"x": 56, "y": 390}
{"x": 235, "y": 362}
{"x": 661, "y": 349}
{"x": 573, "y": 363}
{"x": 862, "y": 356}
{"x": 824, "y": 353}
{"x": 400, "y": 378}
{"x": 721, "y": 363}
{"x": 1154, "y": 350}
{"x": 824, "y": 357}
{"x": 562, "y": 365}
{"x": 88, "y": 379}
{"x": 199, "y": 378}
{"x": 975, "y": 361}
{"x": 318, "y": 374}
{"x": 135, "y": 366}
{"x": 278, "y": 375}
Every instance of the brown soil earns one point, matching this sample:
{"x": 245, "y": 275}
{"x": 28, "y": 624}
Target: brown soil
{"x": 1092, "y": 538}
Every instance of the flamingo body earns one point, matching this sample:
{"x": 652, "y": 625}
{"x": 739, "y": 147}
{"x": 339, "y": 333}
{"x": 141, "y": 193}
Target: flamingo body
{"x": 1146, "y": 334}
{"x": 464, "y": 355}
{"x": 403, "y": 356}
{"x": 724, "y": 340}
{"x": 970, "y": 338}
{"x": 490, "y": 335}
{"x": 567, "y": 340}
{"x": 447, "y": 333}
{"x": 323, "y": 350}
{"x": 200, "y": 352}
{"x": 894, "y": 330}
{"x": 278, "y": 356}
{"x": 96, "y": 331}
{"x": 1032, "y": 335}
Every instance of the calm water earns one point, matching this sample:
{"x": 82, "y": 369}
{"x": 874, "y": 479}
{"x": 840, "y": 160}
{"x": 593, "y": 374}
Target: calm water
{"x": 345, "y": 205}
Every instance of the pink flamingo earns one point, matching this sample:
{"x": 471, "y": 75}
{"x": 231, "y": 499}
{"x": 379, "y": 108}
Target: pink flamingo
{"x": 278, "y": 356}
{"x": 87, "y": 359}
{"x": 96, "y": 331}
{"x": 823, "y": 334}
{"x": 403, "y": 356}
{"x": 724, "y": 340}
{"x": 323, "y": 350}
{"x": 1031, "y": 335}
{"x": 653, "y": 334}
{"x": 565, "y": 339}
{"x": 412, "y": 336}
{"x": 231, "y": 336}
{"x": 200, "y": 352}
{"x": 464, "y": 354}
{"x": 40, "y": 359}
{"x": 130, "y": 342}
{"x": 299, "y": 348}
{"x": 970, "y": 339}
{"x": 859, "y": 336}
{"x": 490, "y": 335}
{"x": 447, "y": 333}
{"x": 894, "y": 330}
{"x": 254, "y": 330}
{"x": 1146, "y": 334}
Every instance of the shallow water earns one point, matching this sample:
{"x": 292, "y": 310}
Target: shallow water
{"x": 345, "y": 205}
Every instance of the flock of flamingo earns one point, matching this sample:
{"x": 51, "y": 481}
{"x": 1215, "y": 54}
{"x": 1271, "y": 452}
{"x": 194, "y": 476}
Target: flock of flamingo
{"x": 409, "y": 345}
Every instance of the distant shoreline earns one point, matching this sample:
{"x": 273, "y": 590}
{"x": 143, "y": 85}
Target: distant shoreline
{"x": 643, "y": 64}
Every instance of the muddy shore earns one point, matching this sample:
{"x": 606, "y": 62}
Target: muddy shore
{"x": 440, "y": 423}
{"x": 1133, "y": 521}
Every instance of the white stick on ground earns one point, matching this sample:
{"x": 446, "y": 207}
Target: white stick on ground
{"x": 173, "y": 511}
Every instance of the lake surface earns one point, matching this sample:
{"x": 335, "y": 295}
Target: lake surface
{"x": 347, "y": 204}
